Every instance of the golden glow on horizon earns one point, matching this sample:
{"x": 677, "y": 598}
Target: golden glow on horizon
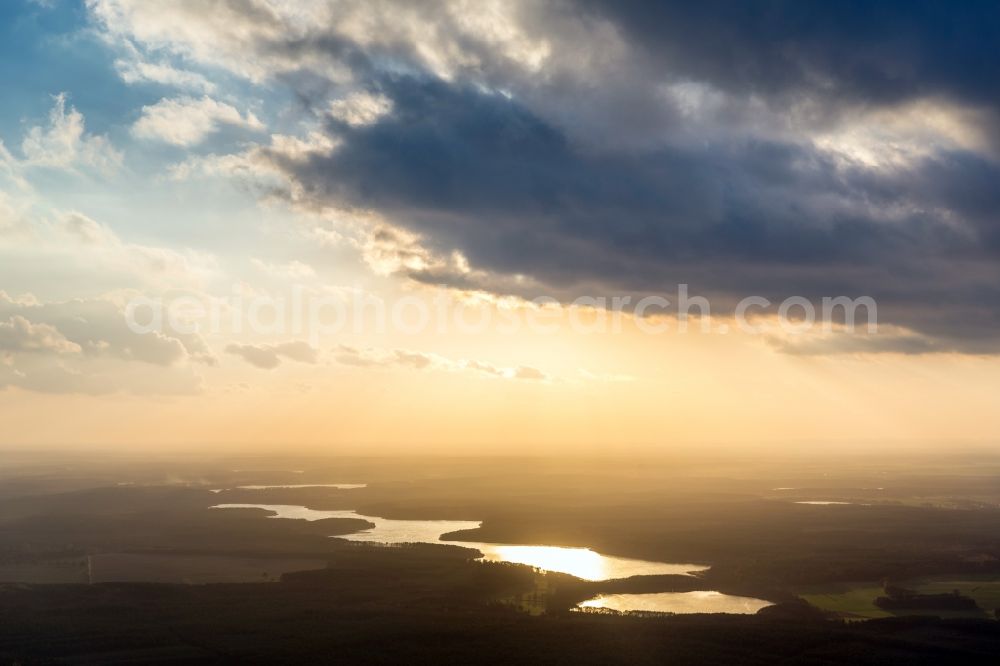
{"x": 788, "y": 403}
{"x": 638, "y": 392}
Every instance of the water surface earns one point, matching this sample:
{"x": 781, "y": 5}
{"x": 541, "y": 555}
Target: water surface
{"x": 338, "y": 486}
{"x": 580, "y": 562}
{"x": 822, "y": 502}
{"x": 703, "y": 601}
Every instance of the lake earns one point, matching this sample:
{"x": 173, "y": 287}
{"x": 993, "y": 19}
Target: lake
{"x": 702, "y": 601}
{"x": 580, "y": 562}
{"x": 823, "y": 502}
{"x": 338, "y": 486}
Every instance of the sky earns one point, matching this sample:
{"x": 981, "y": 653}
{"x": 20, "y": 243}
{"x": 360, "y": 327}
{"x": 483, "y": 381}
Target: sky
{"x": 347, "y": 226}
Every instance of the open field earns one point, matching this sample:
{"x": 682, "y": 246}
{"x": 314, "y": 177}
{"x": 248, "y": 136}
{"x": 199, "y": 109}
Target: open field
{"x": 856, "y": 600}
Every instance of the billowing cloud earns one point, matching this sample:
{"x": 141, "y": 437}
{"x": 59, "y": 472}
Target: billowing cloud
{"x": 360, "y": 108}
{"x": 842, "y": 51}
{"x": 444, "y": 37}
{"x": 588, "y": 147}
{"x": 86, "y": 346}
{"x": 784, "y": 218}
{"x": 133, "y": 67}
{"x": 42, "y": 244}
{"x": 186, "y": 121}
{"x": 20, "y": 335}
{"x": 98, "y": 328}
{"x": 65, "y": 144}
{"x": 269, "y": 356}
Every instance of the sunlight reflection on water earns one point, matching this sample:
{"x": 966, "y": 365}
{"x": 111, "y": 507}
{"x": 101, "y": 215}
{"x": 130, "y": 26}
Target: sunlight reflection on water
{"x": 580, "y": 562}
{"x": 678, "y": 602}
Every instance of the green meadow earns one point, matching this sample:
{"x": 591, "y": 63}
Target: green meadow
{"x": 857, "y": 600}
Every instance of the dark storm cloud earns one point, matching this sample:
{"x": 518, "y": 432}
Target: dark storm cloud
{"x": 880, "y": 52}
{"x": 589, "y": 175}
{"x": 477, "y": 172}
